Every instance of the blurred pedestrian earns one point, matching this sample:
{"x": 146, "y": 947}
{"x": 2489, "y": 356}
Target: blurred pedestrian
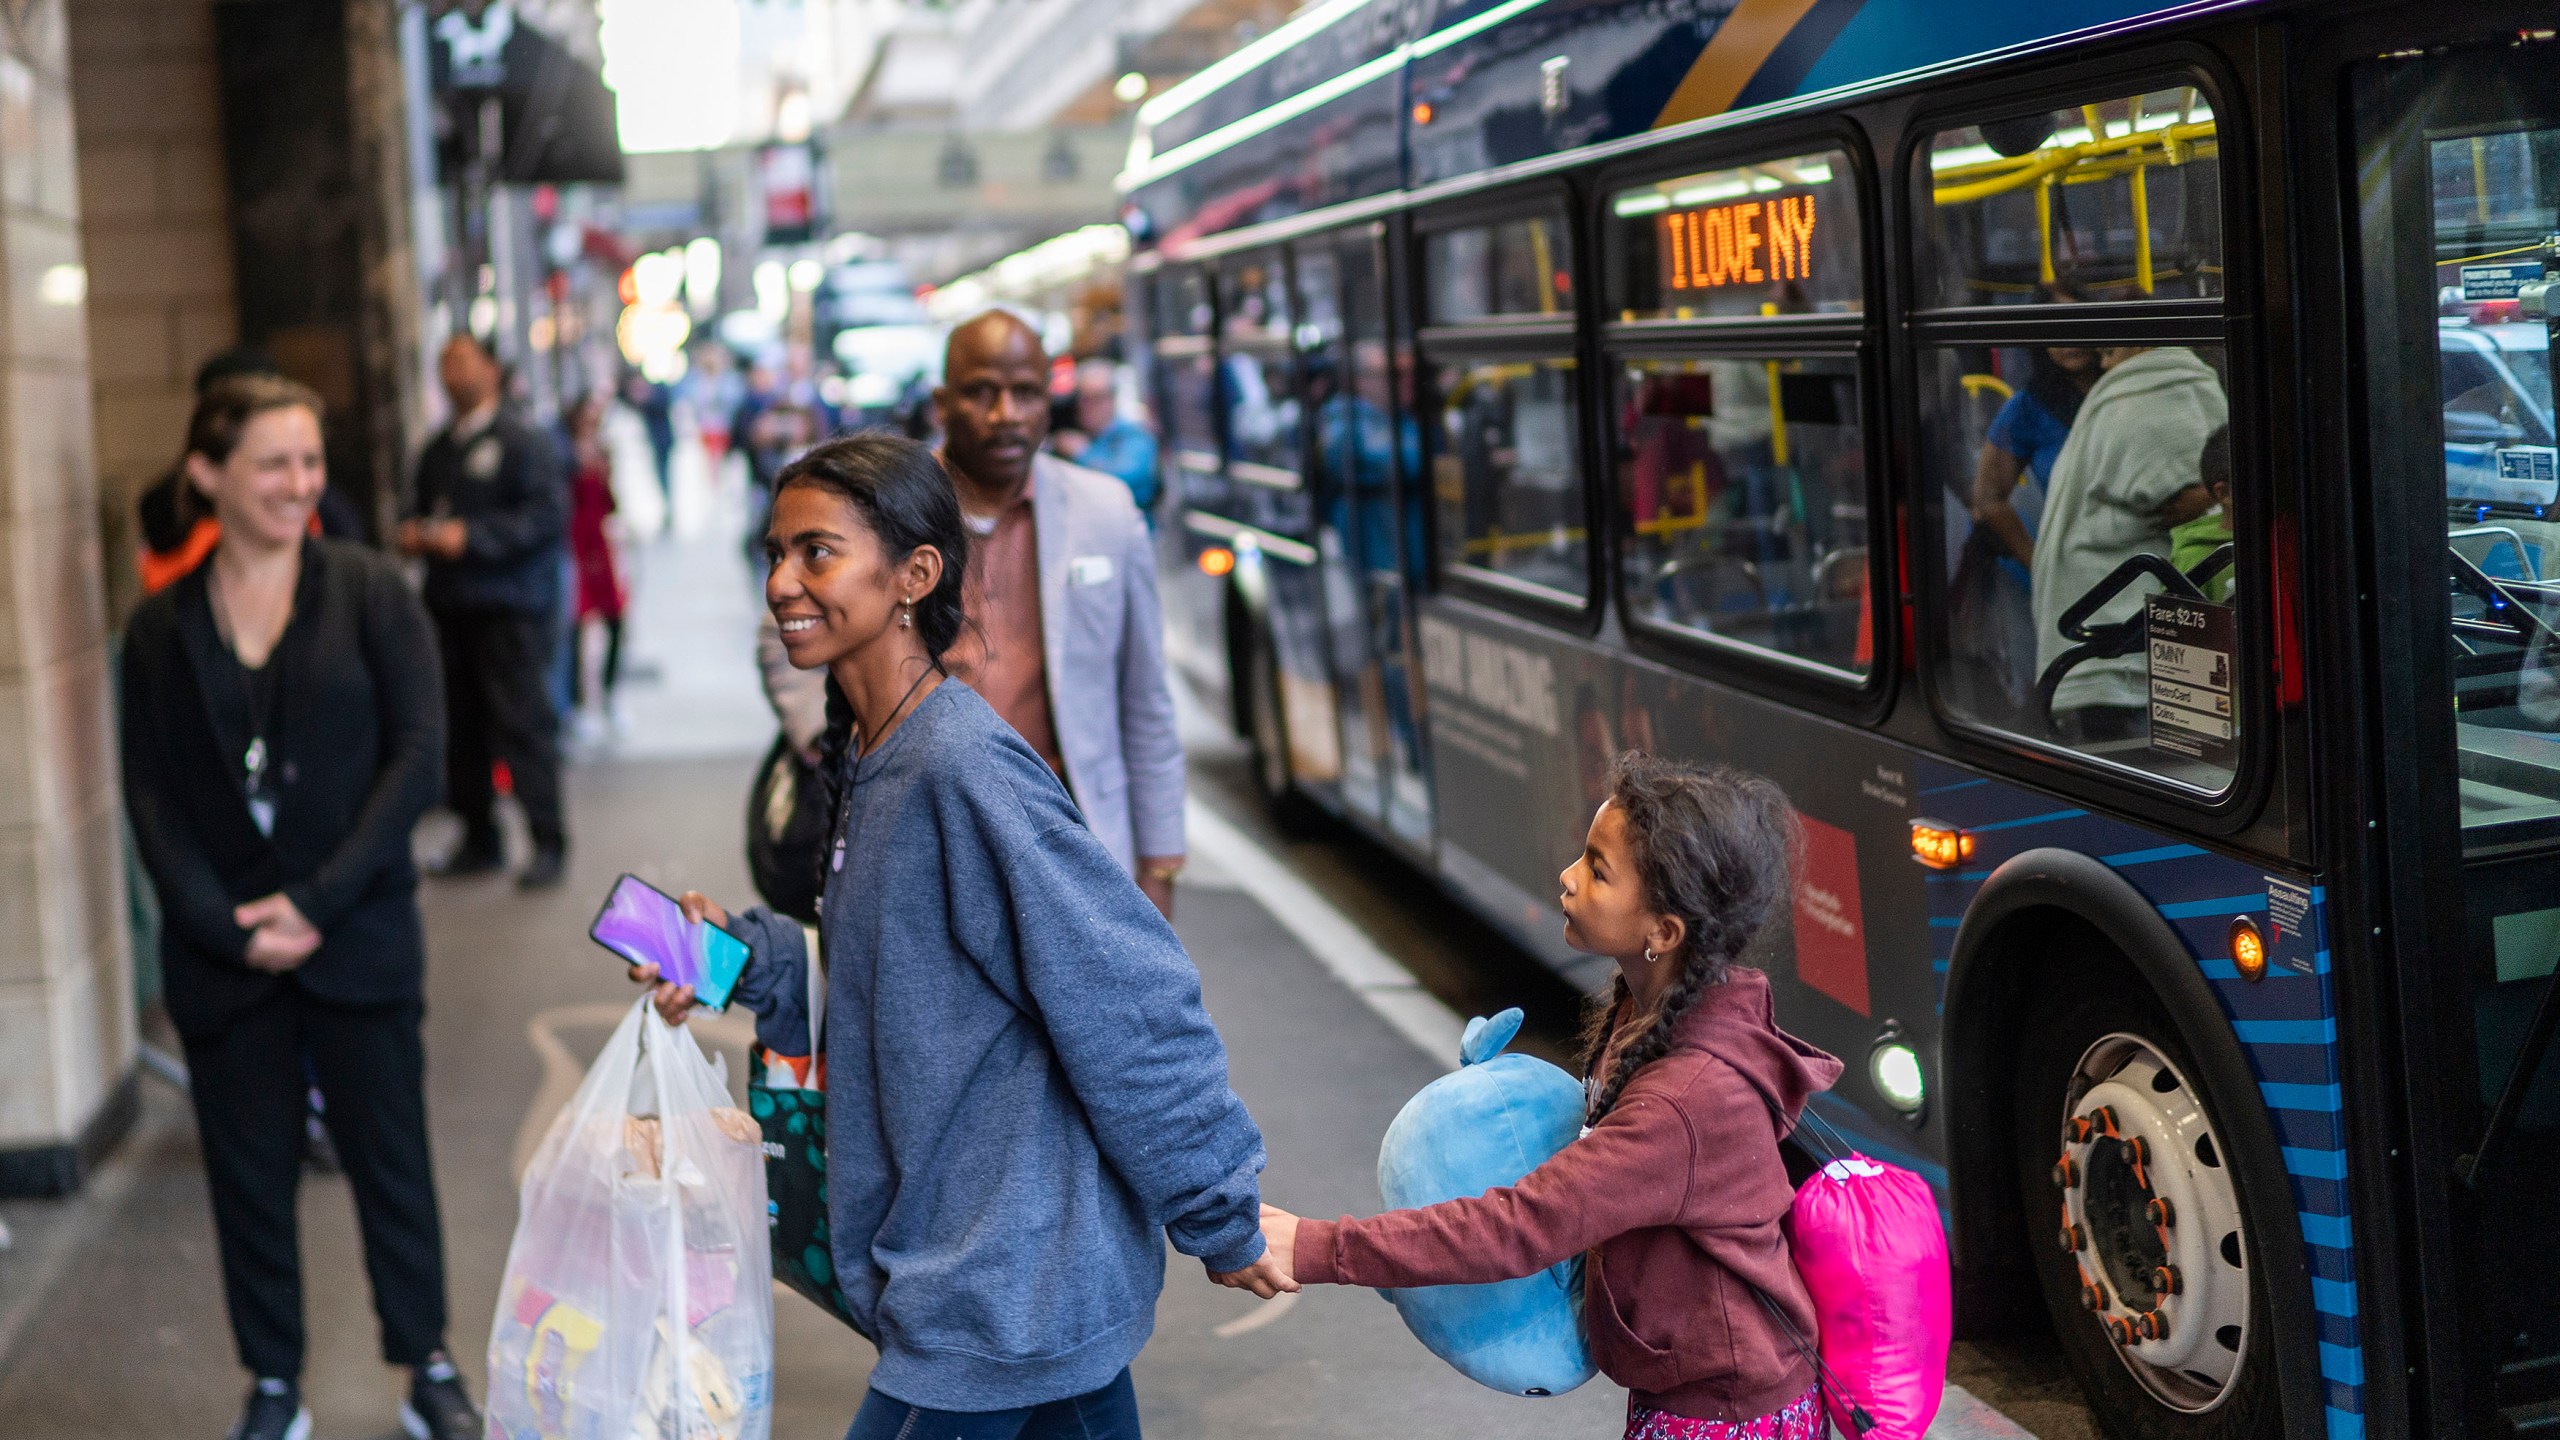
{"x": 490, "y": 516}
{"x": 1008, "y": 1153}
{"x": 282, "y": 722}
{"x": 1106, "y": 440}
{"x": 1068, "y": 644}
{"x": 655, "y": 404}
{"x": 600, "y": 596}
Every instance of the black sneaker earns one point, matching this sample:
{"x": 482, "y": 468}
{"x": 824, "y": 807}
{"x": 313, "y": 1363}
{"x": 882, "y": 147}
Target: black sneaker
{"x": 438, "y": 1408}
{"x": 471, "y": 859}
{"x": 274, "y": 1413}
{"x": 544, "y": 871}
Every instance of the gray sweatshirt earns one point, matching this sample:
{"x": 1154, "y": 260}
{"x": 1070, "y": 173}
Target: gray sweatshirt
{"x": 1023, "y": 1087}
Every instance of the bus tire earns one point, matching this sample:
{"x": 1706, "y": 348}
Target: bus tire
{"x": 2114, "y": 1137}
{"x": 1267, "y": 737}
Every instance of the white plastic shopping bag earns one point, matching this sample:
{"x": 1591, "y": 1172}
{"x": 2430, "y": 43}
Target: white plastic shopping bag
{"x": 638, "y": 1299}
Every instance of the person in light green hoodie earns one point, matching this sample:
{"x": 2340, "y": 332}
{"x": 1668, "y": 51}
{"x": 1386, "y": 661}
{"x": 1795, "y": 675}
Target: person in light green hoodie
{"x": 2129, "y": 475}
{"x": 2191, "y": 544}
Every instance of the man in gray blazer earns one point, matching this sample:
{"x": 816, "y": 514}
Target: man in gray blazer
{"x": 1068, "y": 644}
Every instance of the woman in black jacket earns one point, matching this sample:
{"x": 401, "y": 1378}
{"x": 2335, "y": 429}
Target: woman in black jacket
{"x": 282, "y": 733}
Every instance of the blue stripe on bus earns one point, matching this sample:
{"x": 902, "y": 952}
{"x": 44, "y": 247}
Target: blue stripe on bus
{"x": 2218, "y": 969}
{"x": 2342, "y": 1363}
{"x": 2315, "y": 1164}
{"x": 2323, "y": 1098}
{"x": 2145, "y": 857}
{"x": 1958, "y": 785}
{"x": 1945, "y": 922}
{"x": 2345, "y": 1425}
{"x": 2286, "y": 1032}
{"x": 2333, "y": 1297}
{"x": 2227, "y": 905}
{"x": 2044, "y": 819}
{"x": 2330, "y": 1230}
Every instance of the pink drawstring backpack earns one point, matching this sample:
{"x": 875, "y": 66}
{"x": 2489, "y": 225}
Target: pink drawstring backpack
{"x": 1873, "y": 1253}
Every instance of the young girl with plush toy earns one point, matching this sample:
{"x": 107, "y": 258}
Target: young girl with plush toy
{"x": 1675, "y": 1189}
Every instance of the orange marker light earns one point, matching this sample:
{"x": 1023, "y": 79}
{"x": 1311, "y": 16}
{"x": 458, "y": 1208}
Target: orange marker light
{"x": 1217, "y": 560}
{"x": 1940, "y": 847}
{"x": 1421, "y": 112}
{"x": 2248, "y": 949}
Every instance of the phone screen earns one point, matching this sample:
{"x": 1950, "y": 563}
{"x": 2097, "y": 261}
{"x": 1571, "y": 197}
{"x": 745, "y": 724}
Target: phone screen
{"x": 644, "y": 925}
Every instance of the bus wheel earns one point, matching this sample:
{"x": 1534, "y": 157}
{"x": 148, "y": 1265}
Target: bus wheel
{"x": 2142, "y": 1232}
{"x": 1267, "y": 734}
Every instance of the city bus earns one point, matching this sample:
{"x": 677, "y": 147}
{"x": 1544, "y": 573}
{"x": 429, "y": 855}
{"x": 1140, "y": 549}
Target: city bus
{"x": 2097, "y": 457}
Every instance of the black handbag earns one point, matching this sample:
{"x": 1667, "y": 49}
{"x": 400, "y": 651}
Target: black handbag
{"x": 786, "y": 830}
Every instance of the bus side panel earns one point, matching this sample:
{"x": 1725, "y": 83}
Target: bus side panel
{"x": 1523, "y": 722}
{"x": 2286, "y": 1024}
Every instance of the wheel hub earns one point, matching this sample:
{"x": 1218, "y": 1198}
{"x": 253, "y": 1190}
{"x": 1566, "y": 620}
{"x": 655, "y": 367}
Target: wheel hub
{"x": 2151, "y": 1218}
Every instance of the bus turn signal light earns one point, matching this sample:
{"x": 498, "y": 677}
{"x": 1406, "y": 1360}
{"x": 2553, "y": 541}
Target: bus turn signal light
{"x": 1940, "y": 847}
{"x": 1217, "y": 560}
{"x": 2248, "y": 949}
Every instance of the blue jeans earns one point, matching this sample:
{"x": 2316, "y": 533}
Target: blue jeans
{"x": 1110, "y": 1413}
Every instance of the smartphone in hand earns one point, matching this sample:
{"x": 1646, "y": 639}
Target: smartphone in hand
{"x": 645, "y": 926}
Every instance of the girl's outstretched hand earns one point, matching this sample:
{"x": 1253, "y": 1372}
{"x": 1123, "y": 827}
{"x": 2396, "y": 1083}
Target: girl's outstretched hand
{"x": 1270, "y": 1275}
{"x": 1274, "y": 1273}
{"x": 1280, "y": 1237}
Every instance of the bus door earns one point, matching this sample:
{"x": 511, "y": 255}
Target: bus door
{"x": 2459, "y": 162}
{"x": 1365, "y": 449}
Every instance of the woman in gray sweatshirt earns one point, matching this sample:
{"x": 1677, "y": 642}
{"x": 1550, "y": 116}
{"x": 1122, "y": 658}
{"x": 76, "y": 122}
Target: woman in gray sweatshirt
{"x": 1024, "y": 1092}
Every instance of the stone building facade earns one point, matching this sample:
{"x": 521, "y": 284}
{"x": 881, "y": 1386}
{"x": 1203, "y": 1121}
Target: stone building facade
{"x": 121, "y": 242}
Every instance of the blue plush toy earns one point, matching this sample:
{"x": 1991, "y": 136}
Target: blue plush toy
{"x": 1496, "y": 1119}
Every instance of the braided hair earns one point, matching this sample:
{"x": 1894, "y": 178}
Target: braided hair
{"x": 1714, "y": 847}
{"x": 904, "y": 496}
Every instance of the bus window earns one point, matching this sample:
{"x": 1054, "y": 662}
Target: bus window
{"x": 2085, "y": 490}
{"x": 1743, "y": 484}
{"x": 2116, "y": 199}
{"x": 1509, "y": 492}
{"x": 1491, "y": 272}
{"x": 1776, "y": 238}
{"x": 1257, "y": 377}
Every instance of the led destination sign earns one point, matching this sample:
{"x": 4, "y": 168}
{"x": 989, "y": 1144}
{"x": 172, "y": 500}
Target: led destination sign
{"x": 1749, "y": 242}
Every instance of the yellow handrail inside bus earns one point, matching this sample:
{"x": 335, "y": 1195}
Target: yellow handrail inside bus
{"x": 2095, "y": 159}
{"x": 1976, "y": 383}
{"x": 1494, "y": 542}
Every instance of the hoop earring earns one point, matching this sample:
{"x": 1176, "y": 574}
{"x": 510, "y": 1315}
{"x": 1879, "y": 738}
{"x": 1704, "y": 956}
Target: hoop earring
{"x": 1650, "y": 958}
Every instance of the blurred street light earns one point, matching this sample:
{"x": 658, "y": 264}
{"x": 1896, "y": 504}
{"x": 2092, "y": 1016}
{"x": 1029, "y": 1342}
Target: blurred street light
{"x": 1130, "y": 88}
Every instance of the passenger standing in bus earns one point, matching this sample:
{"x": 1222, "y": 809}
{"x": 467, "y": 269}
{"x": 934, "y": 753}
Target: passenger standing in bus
{"x": 2129, "y": 474}
{"x": 1676, "y": 1182}
{"x": 1994, "y": 620}
{"x": 1066, "y": 637}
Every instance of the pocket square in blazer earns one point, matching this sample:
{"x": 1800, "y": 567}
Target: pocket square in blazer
{"x": 1090, "y": 570}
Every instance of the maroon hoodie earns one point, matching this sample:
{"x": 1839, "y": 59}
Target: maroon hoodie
{"x": 1676, "y": 1195}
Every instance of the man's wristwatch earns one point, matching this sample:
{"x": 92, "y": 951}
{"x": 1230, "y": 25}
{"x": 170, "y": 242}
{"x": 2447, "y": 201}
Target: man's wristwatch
{"x": 1163, "y": 870}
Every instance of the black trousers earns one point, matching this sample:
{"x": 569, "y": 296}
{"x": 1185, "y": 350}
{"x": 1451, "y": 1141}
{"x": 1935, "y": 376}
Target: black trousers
{"x": 248, "y": 1086}
{"x": 497, "y": 700}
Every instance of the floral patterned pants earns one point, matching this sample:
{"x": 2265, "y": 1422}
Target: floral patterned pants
{"x": 1801, "y": 1419}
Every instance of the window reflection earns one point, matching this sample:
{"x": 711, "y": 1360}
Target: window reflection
{"x": 1487, "y": 272}
{"x": 1505, "y": 479}
{"x": 1744, "y": 483}
{"x": 1257, "y": 379}
{"x": 2496, "y": 196}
